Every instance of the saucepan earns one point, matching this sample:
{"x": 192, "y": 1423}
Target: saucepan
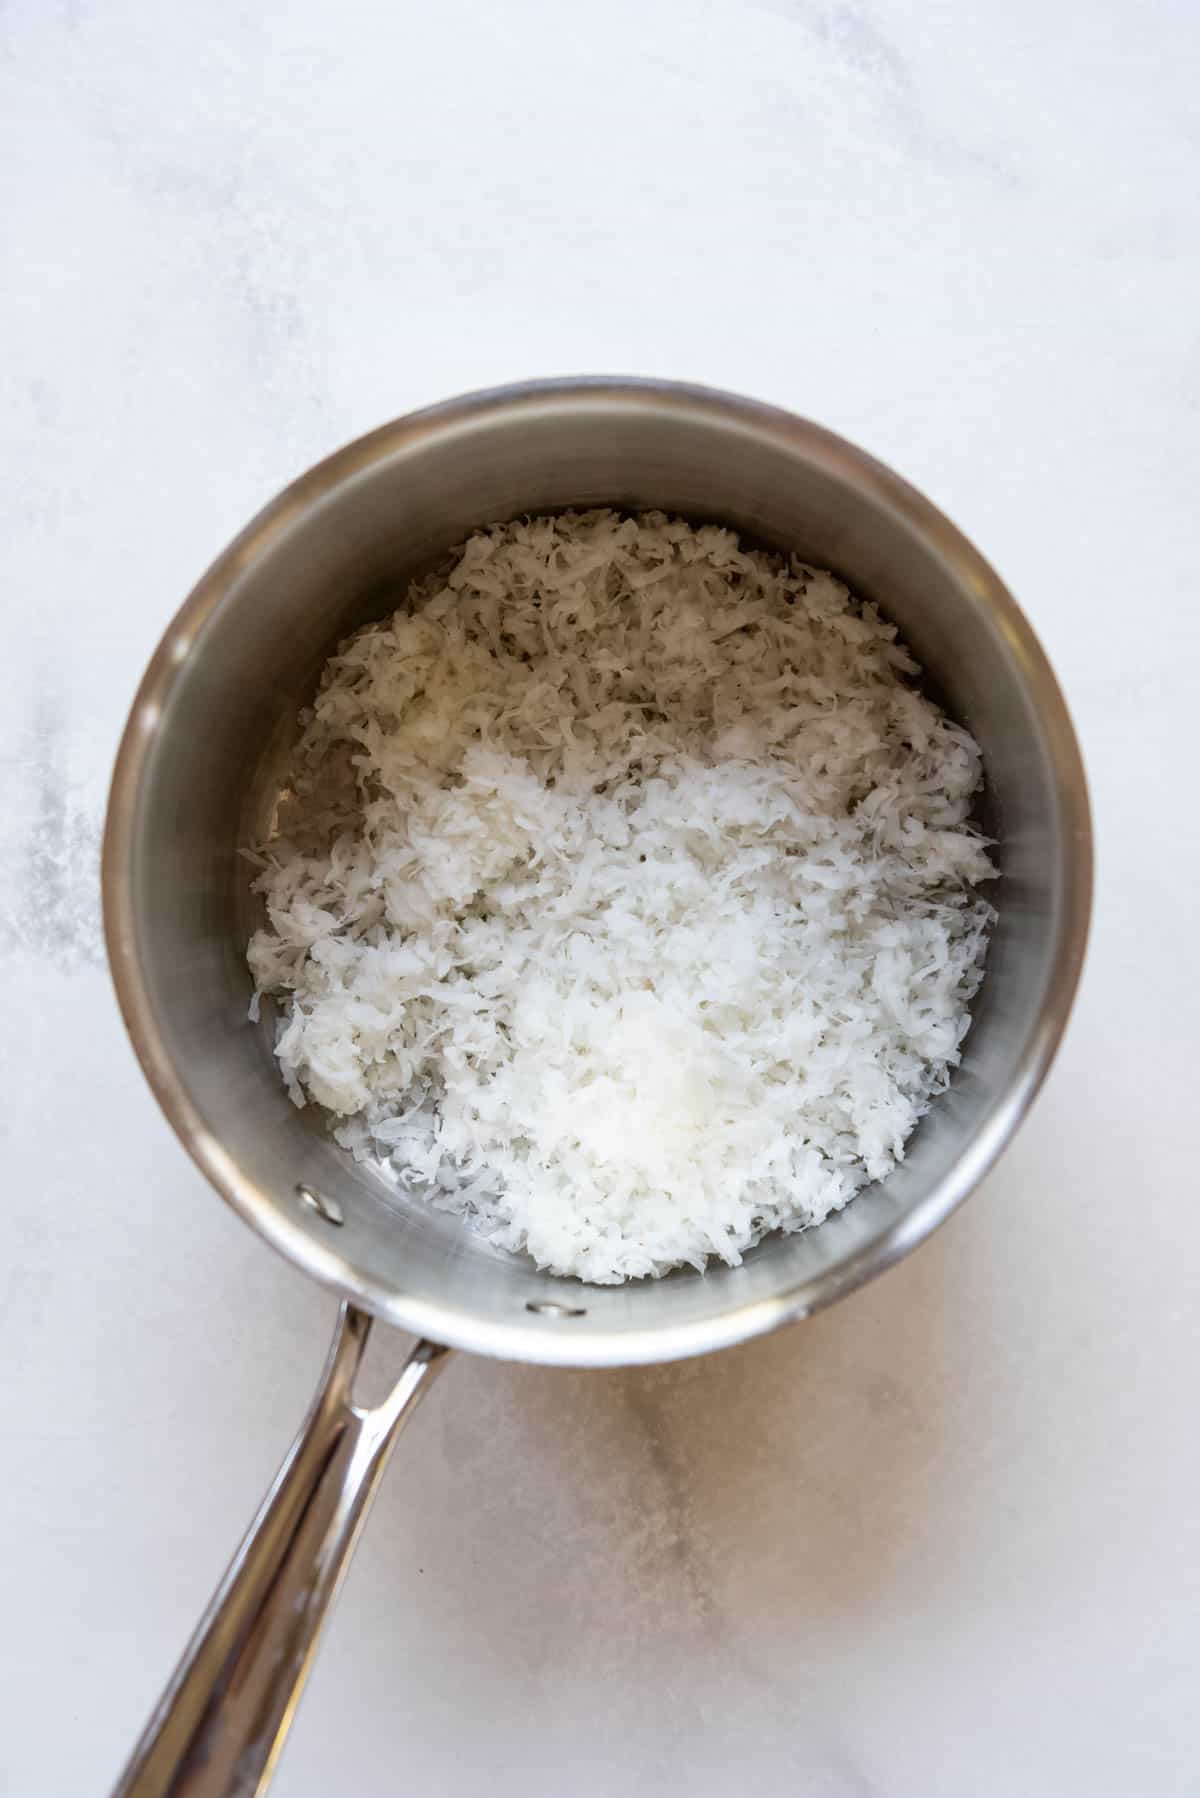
{"x": 197, "y": 777}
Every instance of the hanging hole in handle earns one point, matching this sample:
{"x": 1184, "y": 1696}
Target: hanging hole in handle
{"x": 321, "y": 1203}
{"x": 552, "y": 1308}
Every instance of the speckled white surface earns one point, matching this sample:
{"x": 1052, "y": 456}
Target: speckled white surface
{"x": 944, "y": 1539}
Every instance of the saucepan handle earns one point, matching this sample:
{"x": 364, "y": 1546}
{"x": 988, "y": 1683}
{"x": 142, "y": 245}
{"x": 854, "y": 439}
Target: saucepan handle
{"x": 221, "y": 1723}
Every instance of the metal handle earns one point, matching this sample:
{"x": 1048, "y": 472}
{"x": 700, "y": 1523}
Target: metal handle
{"x": 220, "y": 1725}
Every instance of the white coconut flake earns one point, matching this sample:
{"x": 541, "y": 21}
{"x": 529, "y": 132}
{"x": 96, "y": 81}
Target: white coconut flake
{"x": 624, "y": 896}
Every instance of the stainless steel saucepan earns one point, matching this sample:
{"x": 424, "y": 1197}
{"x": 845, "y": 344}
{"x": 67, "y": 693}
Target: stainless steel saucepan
{"x": 197, "y": 775}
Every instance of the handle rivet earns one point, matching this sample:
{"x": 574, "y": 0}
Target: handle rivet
{"x": 321, "y": 1203}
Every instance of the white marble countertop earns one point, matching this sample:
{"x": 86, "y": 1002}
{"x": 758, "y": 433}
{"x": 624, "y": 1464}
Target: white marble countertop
{"x": 945, "y": 1538}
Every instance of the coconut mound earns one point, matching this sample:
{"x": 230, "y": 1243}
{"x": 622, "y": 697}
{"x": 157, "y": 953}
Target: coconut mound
{"x": 624, "y": 898}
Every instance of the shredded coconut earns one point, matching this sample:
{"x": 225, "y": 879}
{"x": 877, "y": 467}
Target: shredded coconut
{"x": 623, "y": 896}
